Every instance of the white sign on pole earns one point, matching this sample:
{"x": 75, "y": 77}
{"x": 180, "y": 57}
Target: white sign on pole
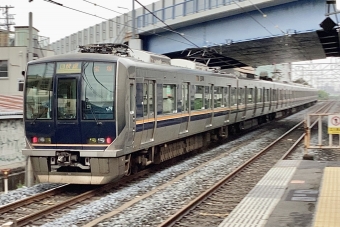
{"x": 334, "y": 124}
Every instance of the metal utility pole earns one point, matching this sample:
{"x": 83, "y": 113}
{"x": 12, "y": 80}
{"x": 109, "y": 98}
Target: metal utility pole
{"x": 133, "y": 19}
{"x": 30, "y": 37}
{"x": 7, "y": 17}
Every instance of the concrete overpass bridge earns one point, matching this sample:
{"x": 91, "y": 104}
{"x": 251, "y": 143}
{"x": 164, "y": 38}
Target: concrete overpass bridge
{"x": 225, "y": 33}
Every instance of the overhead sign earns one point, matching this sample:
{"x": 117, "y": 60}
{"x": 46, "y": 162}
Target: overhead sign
{"x": 334, "y": 124}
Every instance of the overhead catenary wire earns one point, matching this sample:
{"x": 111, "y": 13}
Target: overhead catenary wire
{"x": 170, "y": 29}
{"x": 244, "y": 11}
{"x": 164, "y": 23}
{"x": 80, "y": 11}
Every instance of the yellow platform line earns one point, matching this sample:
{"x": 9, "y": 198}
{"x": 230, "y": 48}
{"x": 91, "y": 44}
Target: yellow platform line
{"x": 328, "y": 207}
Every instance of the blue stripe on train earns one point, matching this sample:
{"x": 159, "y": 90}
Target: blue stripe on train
{"x": 217, "y": 114}
{"x": 145, "y": 126}
{"x": 200, "y": 117}
{"x": 169, "y": 122}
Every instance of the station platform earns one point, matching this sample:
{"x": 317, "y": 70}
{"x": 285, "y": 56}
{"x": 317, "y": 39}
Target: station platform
{"x": 294, "y": 193}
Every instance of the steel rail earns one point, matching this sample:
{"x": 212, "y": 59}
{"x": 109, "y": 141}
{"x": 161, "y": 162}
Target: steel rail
{"x": 42, "y": 213}
{"x": 34, "y": 198}
{"x": 194, "y": 203}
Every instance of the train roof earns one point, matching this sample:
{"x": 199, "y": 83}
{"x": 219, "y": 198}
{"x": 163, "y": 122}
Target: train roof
{"x": 77, "y": 57}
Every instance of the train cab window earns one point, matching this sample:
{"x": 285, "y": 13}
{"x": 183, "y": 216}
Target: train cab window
{"x": 218, "y": 97}
{"x": 250, "y": 95}
{"x": 207, "y": 97}
{"x": 98, "y": 83}
{"x": 259, "y": 95}
{"x": 241, "y": 96}
{"x": 185, "y": 97}
{"x": 38, "y": 91}
{"x": 169, "y": 98}
{"x": 233, "y": 96}
{"x": 198, "y": 101}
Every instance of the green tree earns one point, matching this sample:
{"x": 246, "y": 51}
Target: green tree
{"x": 323, "y": 95}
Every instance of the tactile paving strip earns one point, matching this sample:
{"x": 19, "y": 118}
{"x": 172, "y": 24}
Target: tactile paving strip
{"x": 255, "y": 208}
{"x": 328, "y": 207}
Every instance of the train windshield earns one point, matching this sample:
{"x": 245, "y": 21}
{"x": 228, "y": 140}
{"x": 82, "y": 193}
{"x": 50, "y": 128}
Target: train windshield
{"x": 98, "y": 84}
{"x": 39, "y": 89}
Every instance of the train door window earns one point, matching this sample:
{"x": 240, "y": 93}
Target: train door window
{"x": 218, "y": 97}
{"x": 266, "y": 95}
{"x": 207, "y": 97}
{"x": 274, "y": 95}
{"x": 185, "y": 97}
{"x": 148, "y": 98}
{"x": 67, "y": 98}
{"x": 233, "y": 96}
{"x": 169, "y": 98}
{"x": 226, "y": 97}
{"x": 198, "y": 102}
{"x": 241, "y": 96}
{"x": 250, "y": 95}
{"x": 259, "y": 95}
{"x": 38, "y": 91}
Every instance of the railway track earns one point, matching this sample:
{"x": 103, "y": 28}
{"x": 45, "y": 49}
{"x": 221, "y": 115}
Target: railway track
{"x": 36, "y": 209}
{"x": 212, "y": 206}
{"x": 128, "y": 205}
{"x": 43, "y": 215}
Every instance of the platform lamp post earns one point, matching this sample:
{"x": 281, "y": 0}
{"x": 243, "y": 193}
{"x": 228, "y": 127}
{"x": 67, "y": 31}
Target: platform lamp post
{"x": 5, "y": 173}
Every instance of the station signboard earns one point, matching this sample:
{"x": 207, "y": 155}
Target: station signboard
{"x": 334, "y": 124}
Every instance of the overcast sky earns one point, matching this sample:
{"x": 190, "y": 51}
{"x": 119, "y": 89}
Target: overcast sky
{"x": 56, "y": 22}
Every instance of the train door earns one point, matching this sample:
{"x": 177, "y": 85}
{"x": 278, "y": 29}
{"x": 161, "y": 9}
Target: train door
{"x": 185, "y": 101}
{"x": 246, "y": 102}
{"x": 270, "y": 99}
{"x": 208, "y": 90}
{"x": 241, "y": 102}
{"x": 132, "y": 114}
{"x": 226, "y": 102}
{"x": 255, "y": 91}
{"x": 149, "y": 122}
{"x": 263, "y": 99}
{"x": 68, "y": 125}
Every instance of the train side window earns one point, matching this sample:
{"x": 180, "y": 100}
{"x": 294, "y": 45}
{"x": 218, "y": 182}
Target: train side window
{"x": 198, "y": 101}
{"x": 250, "y": 95}
{"x": 259, "y": 95}
{"x": 218, "y": 97}
{"x": 233, "y": 96}
{"x": 169, "y": 98}
{"x": 185, "y": 97}
{"x": 241, "y": 96}
{"x": 225, "y": 97}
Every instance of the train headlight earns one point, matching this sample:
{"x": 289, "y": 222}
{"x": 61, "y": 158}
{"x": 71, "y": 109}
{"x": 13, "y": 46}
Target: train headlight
{"x": 101, "y": 140}
{"x": 93, "y": 140}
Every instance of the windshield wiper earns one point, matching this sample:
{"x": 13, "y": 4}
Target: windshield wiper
{"x": 94, "y": 116}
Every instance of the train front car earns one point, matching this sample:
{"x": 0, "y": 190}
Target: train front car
{"x": 70, "y": 119}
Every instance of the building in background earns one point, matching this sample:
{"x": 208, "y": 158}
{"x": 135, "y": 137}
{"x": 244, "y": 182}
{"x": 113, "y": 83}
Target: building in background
{"x": 14, "y": 57}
